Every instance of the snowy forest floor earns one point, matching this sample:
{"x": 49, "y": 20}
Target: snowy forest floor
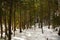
{"x": 36, "y": 34}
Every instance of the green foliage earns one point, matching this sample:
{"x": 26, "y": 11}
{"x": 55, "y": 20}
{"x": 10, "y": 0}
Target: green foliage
{"x": 27, "y": 11}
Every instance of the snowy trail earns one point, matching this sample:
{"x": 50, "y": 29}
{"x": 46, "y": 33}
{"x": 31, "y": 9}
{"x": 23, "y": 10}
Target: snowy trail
{"x": 31, "y": 34}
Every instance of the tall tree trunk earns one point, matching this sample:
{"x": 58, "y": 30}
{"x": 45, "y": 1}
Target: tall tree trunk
{"x": 49, "y": 14}
{"x": 42, "y": 26}
{"x": 1, "y": 28}
{"x": 20, "y": 23}
{"x": 39, "y": 24}
{"x": 1, "y": 18}
{"x": 14, "y": 20}
{"x": 23, "y": 25}
{"x": 41, "y": 15}
{"x": 5, "y": 27}
{"x": 9, "y": 21}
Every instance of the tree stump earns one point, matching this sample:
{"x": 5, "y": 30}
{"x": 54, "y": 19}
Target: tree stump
{"x": 59, "y": 32}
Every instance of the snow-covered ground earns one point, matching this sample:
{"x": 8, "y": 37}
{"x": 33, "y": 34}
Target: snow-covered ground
{"x": 31, "y": 34}
{"x": 36, "y": 34}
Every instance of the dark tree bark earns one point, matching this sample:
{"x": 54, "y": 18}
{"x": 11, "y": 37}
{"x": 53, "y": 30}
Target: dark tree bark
{"x": 59, "y": 32}
{"x": 14, "y": 20}
{"x": 20, "y": 23}
{"x": 42, "y": 26}
{"x": 14, "y": 24}
{"x": 1, "y": 18}
{"x": 41, "y": 15}
{"x": 23, "y": 25}
{"x": 5, "y": 27}
{"x": 1, "y": 27}
{"x": 9, "y": 21}
{"x": 49, "y": 14}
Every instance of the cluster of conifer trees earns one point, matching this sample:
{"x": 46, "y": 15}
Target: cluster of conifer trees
{"x": 23, "y": 14}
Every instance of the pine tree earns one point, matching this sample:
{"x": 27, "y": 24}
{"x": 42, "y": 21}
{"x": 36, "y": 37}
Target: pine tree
{"x": 1, "y": 18}
{"x": 9, "y": 21}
